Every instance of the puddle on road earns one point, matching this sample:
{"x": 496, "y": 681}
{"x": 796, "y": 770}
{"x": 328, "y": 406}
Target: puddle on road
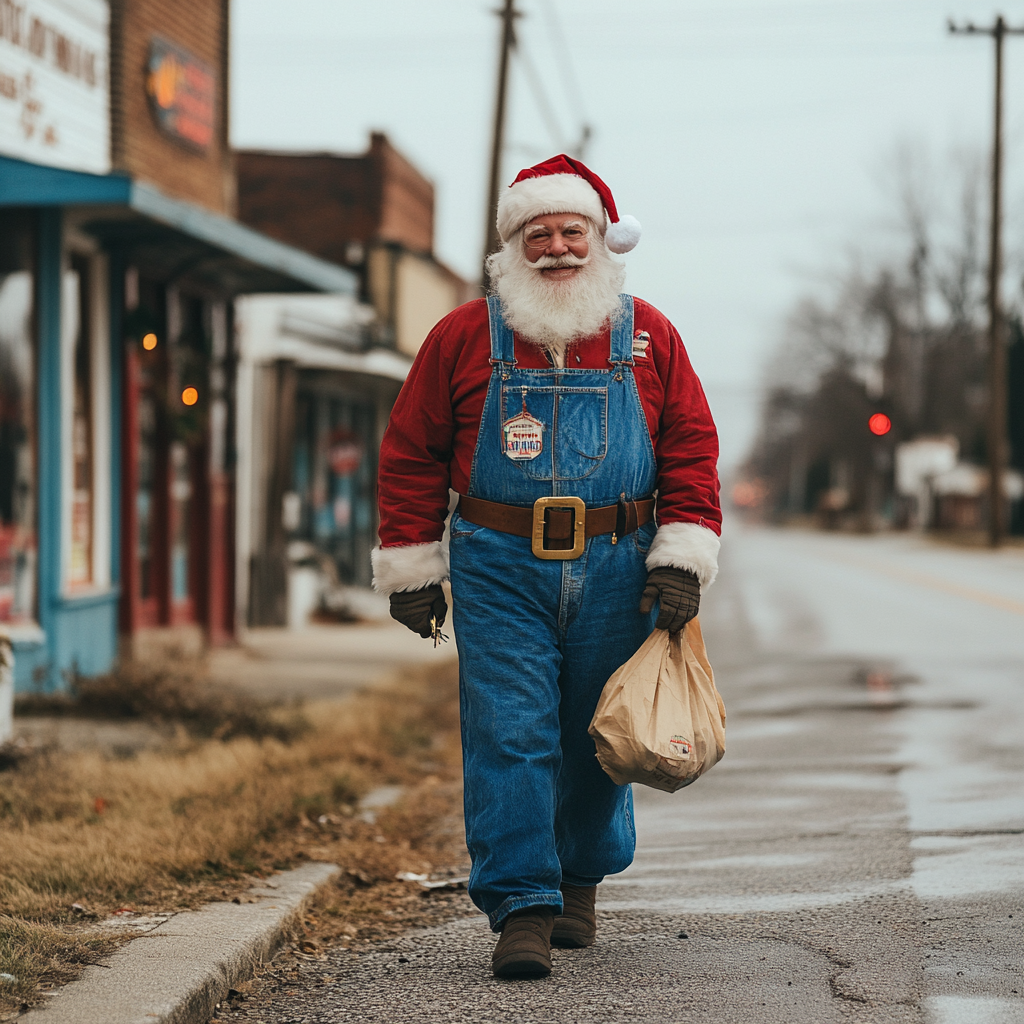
{"x": 868, "y": 781}
{"x": 660, "y": 895}
{"x": 767, "y": 860}
{"x": 741, "y": 728}
{"x": 947, "y": 866}
{"x": 973, "y": 1010}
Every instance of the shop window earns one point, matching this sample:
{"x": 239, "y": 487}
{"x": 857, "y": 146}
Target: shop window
{"x": 181, "y": 500}
{"x": 333, "y": 474}
{"x": 80, "y": 560}
{"x": 145, "y": 494}
{"x": 17, "y": 418}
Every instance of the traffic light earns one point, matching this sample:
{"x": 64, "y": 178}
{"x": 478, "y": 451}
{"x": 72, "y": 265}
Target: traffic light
{"x": 879, "y": 424}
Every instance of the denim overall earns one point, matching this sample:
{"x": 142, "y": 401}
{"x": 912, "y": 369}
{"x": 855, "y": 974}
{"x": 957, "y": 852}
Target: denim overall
{"x": 539, "y": 638}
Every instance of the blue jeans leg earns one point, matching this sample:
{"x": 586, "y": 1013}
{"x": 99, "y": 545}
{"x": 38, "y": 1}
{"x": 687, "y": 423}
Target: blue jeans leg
{"x": 505, "y": 619}
{"x": 594, "y": 827}
{"x": 537, "y": 642}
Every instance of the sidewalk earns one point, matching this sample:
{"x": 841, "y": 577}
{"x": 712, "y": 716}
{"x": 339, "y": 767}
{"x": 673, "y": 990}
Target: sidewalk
{"x": 323, "y": 661}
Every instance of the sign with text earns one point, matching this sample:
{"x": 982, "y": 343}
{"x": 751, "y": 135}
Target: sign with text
{"x": 54, "y": 99}
{"x": 182, "y": 92}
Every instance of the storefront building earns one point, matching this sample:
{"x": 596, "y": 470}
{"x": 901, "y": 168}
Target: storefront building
{"x": 314, "y": 395}
{"x": 318, "y": 376}
{"x": 119, "y": 263}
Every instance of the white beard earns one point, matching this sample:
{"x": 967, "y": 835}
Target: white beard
{"x": 554, "y": 314}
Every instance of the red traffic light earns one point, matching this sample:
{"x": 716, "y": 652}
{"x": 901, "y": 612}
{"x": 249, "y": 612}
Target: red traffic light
{"x": 879, "y": 424}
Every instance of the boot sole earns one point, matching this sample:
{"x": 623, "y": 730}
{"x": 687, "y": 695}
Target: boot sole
{"x": 572, "y": 940}
{"x": 522, "y": 967}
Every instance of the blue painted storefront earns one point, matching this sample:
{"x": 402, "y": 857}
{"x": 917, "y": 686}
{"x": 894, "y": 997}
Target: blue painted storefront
{"x": 79, "y": 634}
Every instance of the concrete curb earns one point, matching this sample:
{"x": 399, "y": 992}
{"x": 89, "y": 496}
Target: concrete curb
{"x": 179, "y": 971}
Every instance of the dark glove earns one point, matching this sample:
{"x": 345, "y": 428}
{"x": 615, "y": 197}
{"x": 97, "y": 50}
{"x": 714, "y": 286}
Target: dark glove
{"x": 678, "y": 593}
{"x": 414, "y": 608}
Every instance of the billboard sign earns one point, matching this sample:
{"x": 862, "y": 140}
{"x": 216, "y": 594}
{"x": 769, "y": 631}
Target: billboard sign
{"x": 182, "y": 90}
{"x": 54, "y": 96}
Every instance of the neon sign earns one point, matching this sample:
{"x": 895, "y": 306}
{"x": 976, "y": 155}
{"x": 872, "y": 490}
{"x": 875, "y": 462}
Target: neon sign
{"x": 182, "y": 91}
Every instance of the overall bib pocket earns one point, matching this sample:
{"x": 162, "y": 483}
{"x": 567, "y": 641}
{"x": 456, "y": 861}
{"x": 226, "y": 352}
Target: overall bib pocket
{"x": 566, "y": 426}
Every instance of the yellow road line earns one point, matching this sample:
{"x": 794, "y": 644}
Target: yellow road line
{"x": 926, "y": 579}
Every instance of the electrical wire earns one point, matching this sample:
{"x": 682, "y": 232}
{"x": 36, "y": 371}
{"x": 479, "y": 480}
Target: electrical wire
{"x": 570, "y": 80}
{"x": 540, "y": 96}
{"x": 566, "y": 66}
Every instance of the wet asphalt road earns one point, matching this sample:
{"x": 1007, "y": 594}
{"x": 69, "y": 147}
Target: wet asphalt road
{"x": 857, "y": 856}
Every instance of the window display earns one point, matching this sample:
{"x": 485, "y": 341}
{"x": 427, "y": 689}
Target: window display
{"x": 17, "y": 418}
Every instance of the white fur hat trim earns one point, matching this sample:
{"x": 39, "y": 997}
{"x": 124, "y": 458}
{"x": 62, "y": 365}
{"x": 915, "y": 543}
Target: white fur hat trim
{"x": 550, "y": 193}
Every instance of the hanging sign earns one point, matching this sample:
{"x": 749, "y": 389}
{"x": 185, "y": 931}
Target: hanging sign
{"x": 54, "y": 100}
{"x": 346, "y": 452}
{"x": 182, "y": 91}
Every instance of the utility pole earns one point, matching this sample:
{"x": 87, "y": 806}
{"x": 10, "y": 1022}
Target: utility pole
{"x": 508, "y": 14}
{"x": 996, "y": 338}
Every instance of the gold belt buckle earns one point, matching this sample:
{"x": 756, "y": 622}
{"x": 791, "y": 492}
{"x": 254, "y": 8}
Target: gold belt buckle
{"x": 579, "y": 536}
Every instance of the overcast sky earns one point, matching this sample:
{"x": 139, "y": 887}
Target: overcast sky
{"x": 753, "y": 139}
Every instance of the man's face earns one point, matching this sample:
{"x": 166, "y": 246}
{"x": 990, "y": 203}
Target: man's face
{"x": 556, "y": 235}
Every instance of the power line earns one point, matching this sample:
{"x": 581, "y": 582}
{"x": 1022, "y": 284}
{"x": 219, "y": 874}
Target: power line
{"x": 570, "y": 80}
{"x": 540, "y": 96}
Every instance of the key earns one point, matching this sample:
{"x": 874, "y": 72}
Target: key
{"x": 435, "y": 631}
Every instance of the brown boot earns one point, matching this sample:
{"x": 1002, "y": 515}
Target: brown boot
{"x": 524, "y": 949}
{"x": 577, "y": 927}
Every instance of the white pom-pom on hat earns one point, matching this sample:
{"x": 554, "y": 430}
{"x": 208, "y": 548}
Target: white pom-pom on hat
{"x": 564, "y": 185}
{"x": 623, "y": 235}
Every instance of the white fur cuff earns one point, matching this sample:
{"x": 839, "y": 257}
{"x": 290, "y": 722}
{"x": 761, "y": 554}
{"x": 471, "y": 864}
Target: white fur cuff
{"x": 408, "y": 567}
{"x": 686, "y": 546}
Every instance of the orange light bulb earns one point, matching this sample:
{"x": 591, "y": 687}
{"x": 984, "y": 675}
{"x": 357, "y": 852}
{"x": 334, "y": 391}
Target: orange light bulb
{"x": 149, "y": 342}
{"x": 190, "y": 396}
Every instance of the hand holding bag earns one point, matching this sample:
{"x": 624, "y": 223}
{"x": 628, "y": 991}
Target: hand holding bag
{"x": 660, "y": 721}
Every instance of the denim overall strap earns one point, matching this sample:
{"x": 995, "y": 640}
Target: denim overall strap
{"x": 503, "y": 344}
{"x": 622, "y": 334}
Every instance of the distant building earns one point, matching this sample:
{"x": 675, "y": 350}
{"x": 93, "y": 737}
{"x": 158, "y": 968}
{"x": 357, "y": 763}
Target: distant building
{"x": 119, "y": 263}
{"x": 373, "y": 213}
{"x": 317, "y": 376}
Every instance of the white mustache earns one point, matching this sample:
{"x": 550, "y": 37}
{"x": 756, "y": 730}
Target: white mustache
{"x": 560, "y": 262}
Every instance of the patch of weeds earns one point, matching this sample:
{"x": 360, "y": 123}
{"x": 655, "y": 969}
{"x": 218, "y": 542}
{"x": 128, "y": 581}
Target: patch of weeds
{"x": 40, "y": 956}
{"x": 173, "y": 693}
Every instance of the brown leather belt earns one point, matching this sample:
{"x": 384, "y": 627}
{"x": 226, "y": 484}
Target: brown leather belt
{"x": 558, "y": 527}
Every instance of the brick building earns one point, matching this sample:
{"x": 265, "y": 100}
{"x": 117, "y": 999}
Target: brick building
{"x": 373, "y": 212}
{"x": 119, "y": 264}
{"x": 195, "y": 166}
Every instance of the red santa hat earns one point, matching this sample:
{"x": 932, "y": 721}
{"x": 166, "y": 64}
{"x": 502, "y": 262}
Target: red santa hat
{"x": 564, "y": 185}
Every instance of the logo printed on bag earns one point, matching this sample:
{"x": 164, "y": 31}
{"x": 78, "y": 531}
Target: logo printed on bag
{"x": 680, "y": 745}
{"x": 524, "y": 436}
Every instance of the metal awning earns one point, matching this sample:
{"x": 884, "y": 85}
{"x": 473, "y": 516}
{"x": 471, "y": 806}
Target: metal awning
{"x": 171, "y": 238}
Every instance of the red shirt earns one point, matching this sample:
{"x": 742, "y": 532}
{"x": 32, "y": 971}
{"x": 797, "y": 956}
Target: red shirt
{"x": 429, "y": 443}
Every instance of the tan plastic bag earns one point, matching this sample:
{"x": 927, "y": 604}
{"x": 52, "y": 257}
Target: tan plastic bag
{"x": 660, "y": 721}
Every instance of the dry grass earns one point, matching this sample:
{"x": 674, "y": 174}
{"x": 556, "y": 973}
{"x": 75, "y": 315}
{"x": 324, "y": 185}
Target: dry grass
{"x": 168, "y": 692}
{"x": 197, "y": 820}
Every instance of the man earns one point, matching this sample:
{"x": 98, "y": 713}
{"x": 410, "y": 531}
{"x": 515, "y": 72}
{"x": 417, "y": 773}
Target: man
{"x": 556, "y": 408}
